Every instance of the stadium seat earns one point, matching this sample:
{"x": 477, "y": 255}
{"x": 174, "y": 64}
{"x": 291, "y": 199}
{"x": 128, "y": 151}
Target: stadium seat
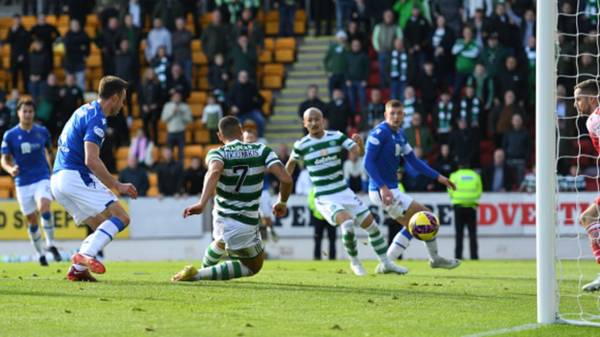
{"x": 269, "y": 44}
{"x": 121, "y": 164}
{"x": 284, "y": 56}
{"x": 272, "y": 28}
{"x": 266, "y": 56}
{"x": 285, "y": 43}
{"x": 267, "y": 95}
{"x": 122, "y": 152}
{"x": 193, "y": 151}
{"x": 276, "y": 69}
{"x": 6, "y": 182}
{"x": 198, "y": 58}
{"x": 4, "y": 193}
{"x": 197, "y": 110}
{"x": 272, "y": 82}
{"x": 202, "y": 136}
{"x": 197, "y": 97}
{"x": 299, "y": 27}
{"x": 152, "y": 191}
{"x": 93, "y": 61}
{"x": 272, "y": 16}
{"x": 196, "y": 45}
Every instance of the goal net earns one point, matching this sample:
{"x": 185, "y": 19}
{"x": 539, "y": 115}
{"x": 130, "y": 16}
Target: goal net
{"x": 568, "y": 52}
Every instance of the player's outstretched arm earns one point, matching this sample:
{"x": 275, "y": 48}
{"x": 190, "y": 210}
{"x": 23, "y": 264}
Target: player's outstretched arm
{"x": 215, "y": 169}
{"x": 95, "y": 164}
{"x": 285, "y": 187}
{"x": 8, "y": 165}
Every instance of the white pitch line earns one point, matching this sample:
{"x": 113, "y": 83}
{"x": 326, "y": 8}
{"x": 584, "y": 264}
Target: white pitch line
{"x": 503, "y": 331}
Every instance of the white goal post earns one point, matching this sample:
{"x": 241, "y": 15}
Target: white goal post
{"x": 545, "y": 149}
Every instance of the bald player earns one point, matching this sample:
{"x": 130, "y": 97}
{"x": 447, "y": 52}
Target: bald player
{"x": 321, "y": 151}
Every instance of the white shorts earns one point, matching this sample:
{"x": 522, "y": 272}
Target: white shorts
{"x": 241, "y": 240}
{"x": 331, "y": 204}
{"x": 400, "y": 204}
{"x": 266, "y": 205}
{"x": 30, "y": 195}
{"x": 81, "y": 199}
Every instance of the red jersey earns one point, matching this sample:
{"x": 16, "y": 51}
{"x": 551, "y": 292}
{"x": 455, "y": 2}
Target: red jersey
{"x": 593, "y": 126}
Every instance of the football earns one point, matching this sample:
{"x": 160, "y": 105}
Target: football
{"x": 424, "y": 225}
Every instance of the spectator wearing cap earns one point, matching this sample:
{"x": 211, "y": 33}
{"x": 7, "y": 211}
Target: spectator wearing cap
{"x": 19, "y": 39}
{"x": 335, "y": 62}
{"x": 177, "y": 115}
{"x": 384, "y": 35}
{"x": 245, "y": 102}
{"x": 494, "y": 55}
{"x": 77, "y": 48}
{"x": 158, "y": 37}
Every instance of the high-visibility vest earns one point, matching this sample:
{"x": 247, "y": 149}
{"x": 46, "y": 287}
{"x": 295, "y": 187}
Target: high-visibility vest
{"x": 312, "y": 206}
{"x": 468, "y": 188}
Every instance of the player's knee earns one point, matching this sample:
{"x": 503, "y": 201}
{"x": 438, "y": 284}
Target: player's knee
{"x": 124, "y": 219}
{"x": 367, "y": 221}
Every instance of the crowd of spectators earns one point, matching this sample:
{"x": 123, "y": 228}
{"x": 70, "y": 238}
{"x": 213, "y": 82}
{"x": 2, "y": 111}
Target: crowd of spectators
{"x": 465, "y": 73}
{"x": 464, "y": 70}
{"x": 149, "y": 44}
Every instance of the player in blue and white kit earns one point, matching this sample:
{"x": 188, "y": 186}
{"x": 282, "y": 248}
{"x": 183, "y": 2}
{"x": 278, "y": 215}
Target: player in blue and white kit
{"x": 26, "y": 157}
{"x": 80, "y": 180}
{"x": 385, "y": 145}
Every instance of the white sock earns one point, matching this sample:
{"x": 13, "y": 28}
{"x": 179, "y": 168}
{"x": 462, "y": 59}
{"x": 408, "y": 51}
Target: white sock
{"x": 212, "y": 255}
{"x": 48, "y": 226}
{"x": 35, "y": 236}
{"x": 225, "y": 270}
{"x": 399, "y": 244}
{"x": 100, "y": 238}
{"x": 432, "y": 249}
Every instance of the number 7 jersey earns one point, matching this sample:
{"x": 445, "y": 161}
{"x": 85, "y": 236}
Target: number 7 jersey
{"x": 241, "y": 182}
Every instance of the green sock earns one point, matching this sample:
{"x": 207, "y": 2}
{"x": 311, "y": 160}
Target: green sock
{"x": 376, "y": 239}
{"x": 349, "y": 238}
{"x": 226, "y": 270}
{"x": 212, "y": 255}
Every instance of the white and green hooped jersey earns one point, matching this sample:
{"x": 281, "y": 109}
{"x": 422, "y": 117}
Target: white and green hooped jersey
{"x": 241, "y": 183}
{"x": 323, "y": 160}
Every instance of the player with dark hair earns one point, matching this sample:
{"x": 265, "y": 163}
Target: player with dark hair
{"x": 235, "y": 173}
{"x": 81, "y": 182}
{"x": 26, "y": 157}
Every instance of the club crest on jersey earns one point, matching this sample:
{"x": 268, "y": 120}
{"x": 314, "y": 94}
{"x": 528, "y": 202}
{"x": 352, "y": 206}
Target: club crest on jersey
{"x": 99, "y": 132}
{"x": 373, "y": 140}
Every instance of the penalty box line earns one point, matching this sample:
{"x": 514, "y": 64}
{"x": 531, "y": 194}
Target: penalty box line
{"x": 503, "y": 331}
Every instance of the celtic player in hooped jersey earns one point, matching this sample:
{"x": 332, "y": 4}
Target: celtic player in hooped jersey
{"x": 321, "y": 152}
{"x": 235, "y": 172}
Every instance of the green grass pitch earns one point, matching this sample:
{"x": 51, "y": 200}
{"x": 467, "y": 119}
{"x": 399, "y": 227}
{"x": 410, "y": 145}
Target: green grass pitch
{"x": 286, "y": 299}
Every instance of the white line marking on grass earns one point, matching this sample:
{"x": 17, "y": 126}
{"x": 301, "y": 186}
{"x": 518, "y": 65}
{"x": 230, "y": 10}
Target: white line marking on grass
{"x": 503, "y": 331}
